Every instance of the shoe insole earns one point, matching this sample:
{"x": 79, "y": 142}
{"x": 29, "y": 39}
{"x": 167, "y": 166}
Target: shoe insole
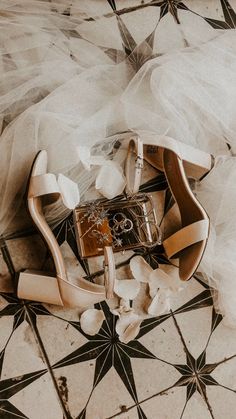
{"x": 190, "y": 211}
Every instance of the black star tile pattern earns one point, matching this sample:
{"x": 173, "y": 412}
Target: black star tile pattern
{"x": 105, "y": 348}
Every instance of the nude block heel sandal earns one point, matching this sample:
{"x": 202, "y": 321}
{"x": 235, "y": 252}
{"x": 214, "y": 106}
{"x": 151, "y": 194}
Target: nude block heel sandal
{"x": 56, "y": 289}
{"x": 179, "y": 161}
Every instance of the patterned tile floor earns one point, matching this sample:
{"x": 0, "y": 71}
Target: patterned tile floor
{"x": 181, "y": 365}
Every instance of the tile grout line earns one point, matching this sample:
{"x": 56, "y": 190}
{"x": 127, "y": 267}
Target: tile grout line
{"x": 47, "y": 362}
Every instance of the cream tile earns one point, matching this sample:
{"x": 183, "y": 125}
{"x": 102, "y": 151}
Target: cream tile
{"x": 59, "y": 334}
{"x": 223, "y": 402}
{"x": 149, "y": 383}
{"x": 209, "y": 8}
{"x": 168, "y": 405}
{"x": 38, "y": 400}
{"x": 78, "y": 382}
{"x": 131, "y": 414}
{"x": 22, "y": 354}
{"x": 191, "y": 290}
{"x": 164, "y": 342}
{"x": 6, "y": 324}
{"x": 195, "y": 327}
{"x": 225, "y": 374}
{"x": 222, "y": 344}
{"x": 196, "y": 408}
{"x": 108, "y": 397}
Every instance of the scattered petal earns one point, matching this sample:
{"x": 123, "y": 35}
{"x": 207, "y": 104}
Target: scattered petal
{"x": 91, "y": 321}
{"x": 140, "y": 269}
{"x": 160, "y": 304}
{"x": 125, "y": 303}
{"x": 128, "y": 326}
{"x": 69, "y": 191}
{"x": 110, "y": 180}
{"x": 158, "y": 280}
{"x": 87, "y": 160}
{"x": 175, "y": 283}
{"x": 131, "y": 332}
{"x": 127, "y": 288}
{"x": 124, "y": 307}
{"x": 84, "y": 156}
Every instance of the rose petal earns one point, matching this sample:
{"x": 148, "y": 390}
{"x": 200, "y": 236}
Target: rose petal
{"x": 110, "y": 180}
{"x": 91, "y": 321}
{"x": 162, "y": 279}
{"x": 140, "y": 269}
{"x": 69, "y": 191}
{"x": 124, "y": 307}
{"x": 84, "y": 156}
{"x": 175, "y": 282}
{"x": 131, "y": 332}
{"x": 127, "y": 288}
{"x": 160, "y": 304}
{"x": 125, "y": 304}
{"x": 158, "y": 280}
{"x": 127, "y": 326}
{"x": 87, "y": 160}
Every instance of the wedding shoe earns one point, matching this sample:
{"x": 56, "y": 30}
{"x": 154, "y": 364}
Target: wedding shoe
{"x": 44, "y": 188}
{"x": 179, "y": 161}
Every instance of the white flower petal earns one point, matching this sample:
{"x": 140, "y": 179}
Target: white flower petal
{"x": 110, "y": 180}
{"x": 127, "y": 288}
{"x": 127, "y": 326}
{"x": 124, "y": 307}
{"x": 84, "y": 156}
{"x": 160, "y": 304}
{"x": 160, "y": 278}
{"x": 91, "y": 321}
{"x": 131, "y": 332}
{"x": 175, "y": 282}
{"x": 140, "y": 269}
{"x": 69, "y": 191}
{"x": 125, "y": 303}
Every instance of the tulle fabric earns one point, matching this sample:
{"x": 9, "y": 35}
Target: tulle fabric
{"x": 190, "y": 93}
{"x": 67, "y": 82}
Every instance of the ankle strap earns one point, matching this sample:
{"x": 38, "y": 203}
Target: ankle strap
{"x": 134, "y": 180}
{"x": 183, "y": 151}
{"x": 109, "y": 271}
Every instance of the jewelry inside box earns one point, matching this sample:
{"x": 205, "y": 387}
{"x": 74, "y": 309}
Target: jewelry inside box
{"x": 124, "y": 223}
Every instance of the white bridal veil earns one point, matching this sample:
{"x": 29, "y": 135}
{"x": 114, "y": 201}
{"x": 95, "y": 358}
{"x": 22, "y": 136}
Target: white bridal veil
{"x": 70, "y": 81}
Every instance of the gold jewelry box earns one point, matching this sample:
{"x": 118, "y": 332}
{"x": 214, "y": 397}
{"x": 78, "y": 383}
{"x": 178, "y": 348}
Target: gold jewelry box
{"x": 126, "y": 223}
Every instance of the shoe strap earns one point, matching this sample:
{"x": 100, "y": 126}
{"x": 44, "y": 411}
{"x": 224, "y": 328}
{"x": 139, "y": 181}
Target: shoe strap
{"x": 43, "y": 185}
{"x": 48, "y": 184}
{"x": 134, "y": 179}
{"x": 183, "y": 151}
{"x": 109, "y": 271}
{"x": 185, "y": 237}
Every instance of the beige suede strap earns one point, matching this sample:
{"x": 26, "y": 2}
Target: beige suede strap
{"x": 191, "y": 234}
{"x": 43, "y": 185}
{"x": 183, "y": 151}
{"x": 109, "y": 271}
{"x": 134, "y": 179}
{"x": 49, "y": 184}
